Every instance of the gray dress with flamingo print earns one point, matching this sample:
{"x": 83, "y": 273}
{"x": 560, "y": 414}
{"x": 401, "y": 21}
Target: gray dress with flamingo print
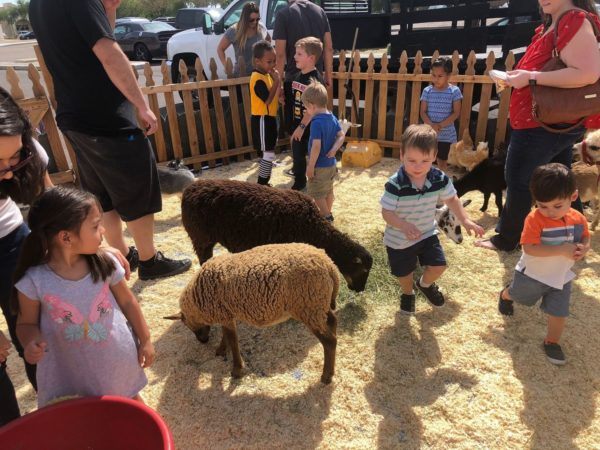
{"x": 90, "y": 347}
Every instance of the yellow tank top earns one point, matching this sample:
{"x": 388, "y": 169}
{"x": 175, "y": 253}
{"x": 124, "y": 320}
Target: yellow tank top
{"x": 258, "y": 107}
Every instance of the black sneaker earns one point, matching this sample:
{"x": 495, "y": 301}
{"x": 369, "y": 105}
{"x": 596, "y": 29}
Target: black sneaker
{"x": 299, "y": 188}
{"x": 433, "y": 294}
{"x": 289, "y": 172}
{"x": 162, "y": 267}
{"x": 407, "y": 304}
{"x": 133, "y": 258}
{"x": 554, "y": 353}
{"x": 505, "y": 306}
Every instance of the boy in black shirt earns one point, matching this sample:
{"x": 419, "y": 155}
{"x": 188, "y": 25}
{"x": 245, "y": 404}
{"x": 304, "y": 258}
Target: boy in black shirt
{"x": 308, "y": 52}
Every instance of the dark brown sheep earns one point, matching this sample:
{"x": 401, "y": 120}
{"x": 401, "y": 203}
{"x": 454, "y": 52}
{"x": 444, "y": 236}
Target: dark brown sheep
{"x": 240, "y": 215}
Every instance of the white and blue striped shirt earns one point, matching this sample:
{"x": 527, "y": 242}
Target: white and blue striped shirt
{"x": 414, "y": 205}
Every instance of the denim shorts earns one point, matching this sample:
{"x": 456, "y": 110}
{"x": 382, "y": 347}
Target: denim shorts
{"x": 527, "y": 291}
{"x": 428, "y": 252}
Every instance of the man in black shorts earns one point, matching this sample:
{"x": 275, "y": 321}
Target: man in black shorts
{"x": 97, "y": 97}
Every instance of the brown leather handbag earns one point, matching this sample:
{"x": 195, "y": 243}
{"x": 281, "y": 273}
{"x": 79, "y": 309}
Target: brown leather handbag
{"x": 553, "y": 105}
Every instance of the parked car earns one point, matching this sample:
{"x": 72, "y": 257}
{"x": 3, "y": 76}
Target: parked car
{"x": 144, "y": 40}
{"x": 167, "y": 19}
{"x": 198, "y": 18}
{"x": 26, "y": 35}
{"x": 202, "y": 42}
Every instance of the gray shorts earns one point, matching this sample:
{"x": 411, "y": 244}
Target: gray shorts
{"x": 527, "y": 291}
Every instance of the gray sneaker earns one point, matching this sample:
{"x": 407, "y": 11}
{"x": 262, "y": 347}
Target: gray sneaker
{"x": 554, "y": 354}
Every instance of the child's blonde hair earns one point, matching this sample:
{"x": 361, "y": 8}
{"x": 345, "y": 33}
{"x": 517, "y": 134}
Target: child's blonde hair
{"x": 421, "y": 137}
{"x": 315, "y": 94}
{"x": 312, "y": 46}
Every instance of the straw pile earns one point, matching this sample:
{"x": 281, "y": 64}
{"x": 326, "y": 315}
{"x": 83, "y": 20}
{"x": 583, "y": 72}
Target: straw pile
{"x": 458, "y": 377}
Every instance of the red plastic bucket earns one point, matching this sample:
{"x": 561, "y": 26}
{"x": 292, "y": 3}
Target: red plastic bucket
{"x": 91, "y": 423}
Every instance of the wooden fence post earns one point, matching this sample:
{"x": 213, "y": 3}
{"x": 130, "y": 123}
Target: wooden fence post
{"x": 171, "y": 113}
{"x": 159, "y": 136}
{"x": 382, "y": 107}
{"x": 233, "y": 106}
{"x": 188, "y": 106}
{"x": 356, "y": 93}
{"x": 400, "y": 102}
{"x": 465, "y": 113}
{"x": 219, "y": 113}
{"x": 415, "y": 101}
{"x": 209, "y": 142}
{"x": 366, "y": 126}
{"x": 504, "y": 105}
{"x": 484, "y": 101}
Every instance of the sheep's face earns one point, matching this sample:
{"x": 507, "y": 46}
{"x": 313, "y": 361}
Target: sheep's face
{"x": 448, "y": 223}
{"x": 358, "y": 271}
{"x": 201, "y": 331}
{"x": 591, "y": 153}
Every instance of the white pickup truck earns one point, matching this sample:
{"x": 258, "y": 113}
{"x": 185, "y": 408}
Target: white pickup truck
{"x": 202, "y": 42}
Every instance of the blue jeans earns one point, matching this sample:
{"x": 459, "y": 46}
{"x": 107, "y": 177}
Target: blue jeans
{"x": 527, "y": 150}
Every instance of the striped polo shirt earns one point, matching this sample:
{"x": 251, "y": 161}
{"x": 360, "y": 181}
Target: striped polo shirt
{"x": 553, "y": 271}
{"x": 414, "y": 205}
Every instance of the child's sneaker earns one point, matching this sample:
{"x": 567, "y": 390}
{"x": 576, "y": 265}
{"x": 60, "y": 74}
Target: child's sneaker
{"x": 433, "y": 294}
{"x": 407, "y": 304}
{"x": 505, "y": 306}
{"x": 554, "y": 353}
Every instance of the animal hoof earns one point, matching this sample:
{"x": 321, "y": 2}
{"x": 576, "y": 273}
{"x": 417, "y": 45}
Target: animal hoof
{"x": 326, "y": 379}
{"x": 237, "y": 373}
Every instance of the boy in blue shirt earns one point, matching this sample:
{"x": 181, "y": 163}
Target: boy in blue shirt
{"x": 326, "y": 137}
{"x": 408, "y": 208}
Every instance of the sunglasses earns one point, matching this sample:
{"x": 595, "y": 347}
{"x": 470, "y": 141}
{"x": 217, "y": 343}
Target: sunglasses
{"x": 254, "y": 20}
{"x": 22, "y": 163}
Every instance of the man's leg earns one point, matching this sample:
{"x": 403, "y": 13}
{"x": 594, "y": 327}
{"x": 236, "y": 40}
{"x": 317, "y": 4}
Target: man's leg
{"x": 142, "y": 231}
{"x": 114, "y": 231}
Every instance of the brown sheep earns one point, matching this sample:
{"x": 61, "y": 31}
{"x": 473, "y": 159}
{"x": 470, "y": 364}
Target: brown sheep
{"x": 264, "y": 286}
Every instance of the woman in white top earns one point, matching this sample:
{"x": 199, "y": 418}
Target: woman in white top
{"x": 23, "y": 176}
{"x": 243, "y": 35}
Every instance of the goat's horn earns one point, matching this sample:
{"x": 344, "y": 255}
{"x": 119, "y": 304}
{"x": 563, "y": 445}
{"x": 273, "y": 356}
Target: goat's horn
{"x": 177, "y": 316}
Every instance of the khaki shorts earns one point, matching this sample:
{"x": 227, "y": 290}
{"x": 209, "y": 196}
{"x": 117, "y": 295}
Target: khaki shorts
{"x": 321, "y": 185}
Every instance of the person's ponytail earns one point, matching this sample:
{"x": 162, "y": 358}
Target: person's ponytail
{"x": 33, "y": 253}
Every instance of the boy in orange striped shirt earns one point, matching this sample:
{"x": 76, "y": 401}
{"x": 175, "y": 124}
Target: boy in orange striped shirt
{"x": 554, "y": 237}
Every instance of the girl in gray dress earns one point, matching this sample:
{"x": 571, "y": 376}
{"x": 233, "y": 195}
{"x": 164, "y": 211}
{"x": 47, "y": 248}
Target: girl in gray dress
{"x": 73, "y": 304}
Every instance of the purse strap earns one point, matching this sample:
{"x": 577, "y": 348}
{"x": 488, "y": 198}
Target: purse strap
{"x": 555, "y": 51}
{"x": 555, "y": 54}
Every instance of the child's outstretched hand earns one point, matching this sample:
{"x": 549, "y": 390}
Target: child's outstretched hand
{"x": 4, "y": 348}
{"x": 34, "y": 351}
{"x": 146, "y": 354}
{"x": 471, "y": 226}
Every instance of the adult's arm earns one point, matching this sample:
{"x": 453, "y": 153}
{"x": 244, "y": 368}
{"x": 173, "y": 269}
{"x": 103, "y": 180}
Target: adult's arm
{"x": 280, "y": 53}
{"x": 224, "y": 44}
{"x": 582, "y": 57}
{"x": 111, "y": 11}
{"x": 119, "y": 71}
{"x": 328, "y": 58}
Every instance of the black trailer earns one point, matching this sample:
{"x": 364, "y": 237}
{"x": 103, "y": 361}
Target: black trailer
{"x": 462, "y": 25}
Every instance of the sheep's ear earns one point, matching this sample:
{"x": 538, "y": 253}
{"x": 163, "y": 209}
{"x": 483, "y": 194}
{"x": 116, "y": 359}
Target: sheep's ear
{"x": 466, "y": 202}
{"x": 177, "y": 316}
{"x": 357, "y": 260}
